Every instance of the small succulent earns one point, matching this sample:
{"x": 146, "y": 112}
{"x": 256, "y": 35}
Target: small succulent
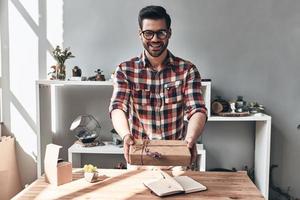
{"x": 89, "y": 168}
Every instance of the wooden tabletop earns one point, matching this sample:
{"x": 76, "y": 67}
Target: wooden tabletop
{"x": 128, "y": 185}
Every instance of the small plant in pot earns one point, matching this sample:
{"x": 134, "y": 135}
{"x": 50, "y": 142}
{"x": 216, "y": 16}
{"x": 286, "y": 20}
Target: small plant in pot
{"x": 60, "y": 55}
{"x": 90, "y": 173}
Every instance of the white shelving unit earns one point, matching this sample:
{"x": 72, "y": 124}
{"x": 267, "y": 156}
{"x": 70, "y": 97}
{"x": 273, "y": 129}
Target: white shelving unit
{"x": 76, "y": 150}
{"x": 262, "y": 147}
{"x": 262, "y": 132}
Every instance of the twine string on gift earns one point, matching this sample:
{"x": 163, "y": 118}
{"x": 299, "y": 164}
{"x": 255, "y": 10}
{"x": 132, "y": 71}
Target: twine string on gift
{"x": 144, "y": 148}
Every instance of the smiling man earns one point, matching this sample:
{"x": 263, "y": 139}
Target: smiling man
{"x": 155, "y": 93}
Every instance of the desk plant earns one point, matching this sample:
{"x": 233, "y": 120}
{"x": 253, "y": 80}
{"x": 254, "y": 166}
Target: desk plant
{"x": 90, "y": 173}
{"x": 60, "y": 55}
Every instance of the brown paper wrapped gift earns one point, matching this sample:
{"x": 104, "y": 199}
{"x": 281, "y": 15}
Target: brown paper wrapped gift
{"x": 56, "y": 173}
{"x": 160, "y": 153}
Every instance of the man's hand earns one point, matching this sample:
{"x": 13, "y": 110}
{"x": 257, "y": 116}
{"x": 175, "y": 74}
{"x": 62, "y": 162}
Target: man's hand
{"x": 193, "y": 149}
{"x": 127, "y": 141}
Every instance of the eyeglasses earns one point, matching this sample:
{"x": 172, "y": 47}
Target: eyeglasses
{"x": 161, "y": 34}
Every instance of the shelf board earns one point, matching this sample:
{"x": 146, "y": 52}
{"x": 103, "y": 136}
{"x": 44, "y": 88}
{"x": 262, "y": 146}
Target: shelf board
{"x": 66, "y": 83}
{"x": 246, "y": 118}
{"x": 58, "y": 82}
{"x": 105, "y": 149}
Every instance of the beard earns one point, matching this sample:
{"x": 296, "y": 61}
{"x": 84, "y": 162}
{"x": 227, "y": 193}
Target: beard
{"x": 155, "y": 49}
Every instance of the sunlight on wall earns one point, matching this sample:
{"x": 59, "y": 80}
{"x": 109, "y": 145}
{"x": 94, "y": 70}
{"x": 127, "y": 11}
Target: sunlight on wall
{"x": 25, "y": 136}
{"x": 54, "y": 28}
{"x": 55, "y": 22}
{"x": 31, "y": 7}
{"x": 23, "y": 58}
{"x": 50, "y": 61}
{"x": 55, "y": 37}
{"x": 0, "y": 59}
{"x": 1, "y": 108}
{"x": 53, "y": 109}
{"x": 0, "y": 82}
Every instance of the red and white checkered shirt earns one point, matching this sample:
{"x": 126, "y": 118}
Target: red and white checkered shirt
{"x": 156, "y": 102}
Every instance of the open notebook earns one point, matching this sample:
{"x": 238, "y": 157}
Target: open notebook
{"x": 172, "y": 185}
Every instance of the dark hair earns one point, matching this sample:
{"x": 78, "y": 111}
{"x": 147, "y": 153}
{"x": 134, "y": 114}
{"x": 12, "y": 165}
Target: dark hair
{"x": 154, "y": 12}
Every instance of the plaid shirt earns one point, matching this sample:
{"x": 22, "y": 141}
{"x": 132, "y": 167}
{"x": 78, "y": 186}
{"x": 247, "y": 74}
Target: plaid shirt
{"x": 156, "y": 102}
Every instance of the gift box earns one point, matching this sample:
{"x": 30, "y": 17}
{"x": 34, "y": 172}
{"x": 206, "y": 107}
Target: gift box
{"x": 56, "y": 173}
{"x": 160, "y": 153}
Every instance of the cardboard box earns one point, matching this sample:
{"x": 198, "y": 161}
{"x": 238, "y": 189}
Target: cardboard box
{"x": 56, "y": 173}
{"x": 9, "y": 173}
{"x": 160, "y": 153}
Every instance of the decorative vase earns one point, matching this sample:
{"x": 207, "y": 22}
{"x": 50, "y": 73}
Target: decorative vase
{"x": 60, "y": 71}
{"x": 91, "y": 176}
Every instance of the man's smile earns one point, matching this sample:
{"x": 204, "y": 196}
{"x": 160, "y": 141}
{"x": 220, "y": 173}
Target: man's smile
{"x": 155, "y": 46}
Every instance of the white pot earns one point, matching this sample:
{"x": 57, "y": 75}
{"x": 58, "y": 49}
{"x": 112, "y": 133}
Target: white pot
{"x": 90, "y": 176}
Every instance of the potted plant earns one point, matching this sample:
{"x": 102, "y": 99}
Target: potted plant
{"x": 90, "y": 173}
{"x": 61, "y": 55}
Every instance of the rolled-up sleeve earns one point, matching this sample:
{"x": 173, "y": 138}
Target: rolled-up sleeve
{"x": 121, "y": 92}
{"x": 194, "y": 101}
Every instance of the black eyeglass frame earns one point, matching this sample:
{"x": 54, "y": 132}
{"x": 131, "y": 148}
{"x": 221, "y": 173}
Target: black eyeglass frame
{"x": 167, "y": 32}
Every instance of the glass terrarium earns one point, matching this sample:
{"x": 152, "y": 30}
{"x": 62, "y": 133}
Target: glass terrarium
{"x": 86, "y": 128}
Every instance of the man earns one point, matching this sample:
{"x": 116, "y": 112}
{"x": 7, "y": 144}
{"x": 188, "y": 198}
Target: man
{"x": 153, "y": 93}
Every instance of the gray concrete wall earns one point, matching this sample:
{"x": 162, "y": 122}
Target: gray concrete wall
{"x": 247, "y": 48}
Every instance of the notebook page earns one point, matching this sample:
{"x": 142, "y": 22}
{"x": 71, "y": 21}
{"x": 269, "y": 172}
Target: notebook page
{"x": 163, "y": 187}
{"x": 189, "y": 184}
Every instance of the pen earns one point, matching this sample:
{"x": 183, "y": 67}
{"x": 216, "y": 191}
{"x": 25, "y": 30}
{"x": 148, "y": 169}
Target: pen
{"x": 163, "y": 175}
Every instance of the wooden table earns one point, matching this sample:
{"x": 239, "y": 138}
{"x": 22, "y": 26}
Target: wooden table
{"x": 128, "y": 185}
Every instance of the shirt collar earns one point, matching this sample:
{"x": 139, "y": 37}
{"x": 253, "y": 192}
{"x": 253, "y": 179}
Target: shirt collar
{"x": 168, "y": 62}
